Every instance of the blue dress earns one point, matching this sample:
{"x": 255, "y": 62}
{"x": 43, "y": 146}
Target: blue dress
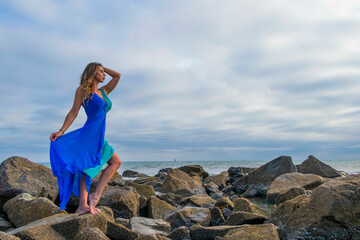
{"x": 83, "y": 150}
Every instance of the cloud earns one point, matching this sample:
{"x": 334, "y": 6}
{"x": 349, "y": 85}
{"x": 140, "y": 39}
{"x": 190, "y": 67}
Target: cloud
{"x": 201, "y": 80}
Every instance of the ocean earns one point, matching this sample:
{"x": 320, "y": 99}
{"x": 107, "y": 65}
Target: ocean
{"x": 215, "y": 167}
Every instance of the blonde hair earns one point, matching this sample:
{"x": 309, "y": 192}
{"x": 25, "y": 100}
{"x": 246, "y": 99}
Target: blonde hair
{"x": 87, "y": 80}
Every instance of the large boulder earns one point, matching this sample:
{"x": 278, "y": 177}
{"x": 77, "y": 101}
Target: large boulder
{"x": 290, "y": 194}
{"x": 189, "y": 216}
{"x": 199, "y": 232}
{"x": 116, "y": 231}
{"x": 153, "y": 181}
{"x": 181, "y": 233}
{"x": 5, "y": 236}
{"x": 195, "y": 170}
{"x": 148, "y": 226}
{"x": 255, "y": 232}
{"x": 287, "y": 181}
{"x": 91, "y": 233}
{"x": 219, "y": 179}
{"x": 200, "y": 200}
{"x": 125, "y": 201}
{"x": 237, "y": 172}
{"x": 159, "y": 209}
{"x": 242, "y": 204}
{"x": 179, "y": 182}
{"x": 314, "y": 166}
{"x": 19, "y": 175}
{"x": 332, "y": 211}
{"x": 268, "y": 172}
{"x": 241, "y": 217}
{"x": 144, "y": 190}
{"x": 24, "y": 209}
{"x": 63, "y": 226}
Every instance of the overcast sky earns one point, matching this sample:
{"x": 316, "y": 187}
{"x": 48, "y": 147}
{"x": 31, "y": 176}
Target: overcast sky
{"x": 201, "y": 80}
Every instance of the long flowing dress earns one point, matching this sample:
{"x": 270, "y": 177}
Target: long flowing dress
{"x": 82, "y": 151}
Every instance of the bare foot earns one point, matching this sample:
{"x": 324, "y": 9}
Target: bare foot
{"x": 93, "y": 202}
{"x": 85, "y": 209}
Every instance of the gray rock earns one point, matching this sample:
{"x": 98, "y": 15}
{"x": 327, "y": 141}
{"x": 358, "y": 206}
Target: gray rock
{"x": 181, "y": 233}
{"x": 91, "y": 233}
{"x": 189, "y": 216}
{"x": 148, "y": 226}
{"x": 4, "y": 224}
{"x": 217, "y": 218}
{"x": 195, "y": 170}
{"x": 19, "y": 175}
{"x": 24, "y": 209}
{"x": 268, "y": 172}
{"x": 235, "y": 173}
{"x": 314, "y": 166}
{"x": 163, "y": 173}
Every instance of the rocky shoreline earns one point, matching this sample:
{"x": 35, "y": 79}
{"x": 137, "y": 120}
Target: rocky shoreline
{"x": 311, "y": 201}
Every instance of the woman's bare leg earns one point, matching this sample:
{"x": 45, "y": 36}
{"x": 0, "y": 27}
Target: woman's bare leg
{"x": 83, "y": 205}
{"x": 114, "y": 164}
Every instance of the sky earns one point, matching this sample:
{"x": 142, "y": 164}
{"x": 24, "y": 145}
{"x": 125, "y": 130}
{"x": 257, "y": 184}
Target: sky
{"x": 201, "y": 80}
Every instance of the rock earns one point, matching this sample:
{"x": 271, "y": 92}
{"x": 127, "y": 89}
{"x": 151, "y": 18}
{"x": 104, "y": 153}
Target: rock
{"x": 170, "y": 198}
{"x": 228, "y": 189}
{"x": 242, "y": 204}
{"x": 19, "y": 175}
{"x": 153, "y": 181}
{"x": 179, "y": 182}
{"x": 24, "y": 209}
{"x": 152, "y": 237}
{"x": 268, "y": 172}
{"x": 5, "y": 236}
{"x": 219, "y": 180}
{"x": 125, "y": 201}
{"x": 181, "y": 233}
{"x": 255, "y": 190}
{"x": 195, "y": 170}
{"x": 290, "y": 194}
{"x": 211, "y": 187}
{"x": 235, "y": 173}
{"x": 163, "y": 173}
{"x": 130, "y": 173}
{"x": 115, "y": 180}
{"x": 159, "y": 209}
{"x": 4, "y": 225}
{"x": 331, "y": 211}
{"x": 314, "y": 166}
{"x": 217, "y": 218}
{"x": 63, "y": 226}
{"x": 224, "y": 202}
{"x": 117, "y": 231}
{"x": 199, "y": 232}
{"x": 144, "y": 190}
{"x": 287, "y": 181}
{"x": 123, "y": 221}
{"x": 240, "y": 217}
{"x": 200, "y": 200}
{"x": 148, "y": 226}
{"x": 255, "y": 232}
{"x": 89, "y": 233}
{"x": 189, "y": 216}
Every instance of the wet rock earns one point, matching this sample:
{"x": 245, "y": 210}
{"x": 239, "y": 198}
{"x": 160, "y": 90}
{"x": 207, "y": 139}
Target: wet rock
{"x": 5, "y": 236}
{"x": 19, "y": 175}
{"x": 125, "y": 201}
{"x": 258, "y": 232}
{"x": 24, "y": 209}
{"x": 242, "y": 204}
{"x": 240, "y": 217}
{"x": 200, "y": 200}
{"x": 235, "y": 173}
{"x": 144, "y": 190}
{"x": 255, "y": 190}
{"x": 4, "y": 225}
{"x": 118, "y": 231}
{"x": 159, "y": 209}
{"x": 217, "y": 218}
{"x": 314, "y": 166}
{"x": 290, "y": 194}
{"x": 163, "y": 173}
{"x": 219, "y": 180}
{"x": 195, "y": 170}
{"x": 199, "y": 232}
{"x": 89, "y": 233}
{"x": 189, "y": 216}
{"x": 181, "y": 233}
{"x": 331, "y": 211}
{"x": 287, "y": 181}
{"x": 268, "y": 172}
{"x": 179, "y": 182}
{"x": 148, "y": 226}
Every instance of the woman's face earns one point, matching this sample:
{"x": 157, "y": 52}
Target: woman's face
{"x": 100, "y": 74}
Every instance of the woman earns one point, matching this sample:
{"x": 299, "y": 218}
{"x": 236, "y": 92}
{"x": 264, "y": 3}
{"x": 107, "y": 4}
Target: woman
{"x": 78, "y": 156}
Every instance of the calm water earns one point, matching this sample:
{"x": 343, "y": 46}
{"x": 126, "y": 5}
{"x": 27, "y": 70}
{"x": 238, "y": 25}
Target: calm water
{"x": 215, "y": 167}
